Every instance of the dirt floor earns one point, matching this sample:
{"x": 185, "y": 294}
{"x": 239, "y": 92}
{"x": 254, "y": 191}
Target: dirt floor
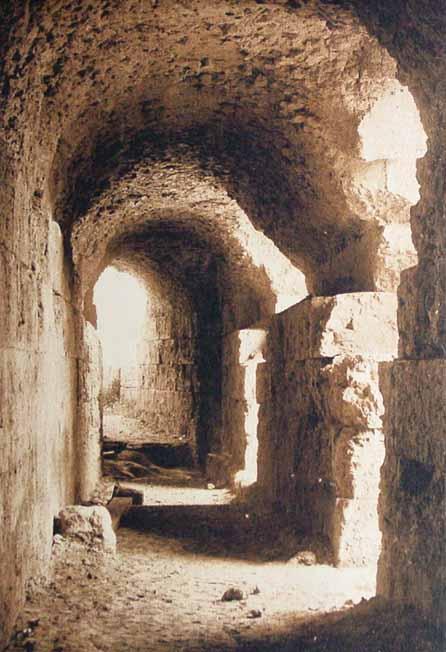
{"x": 163, "y": 591}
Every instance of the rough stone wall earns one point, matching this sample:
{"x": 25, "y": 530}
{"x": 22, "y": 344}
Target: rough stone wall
{"x": 177, "y": 383}
{"x": 320, "y": 432}
{"x": 412, "y": 562}
{"x": 293, "y": 77}
{"x": 38, "y": 392}
{"x": 162, "y": 391}
{"x": 262, "y": 94}
{"x": 412, "y": 513}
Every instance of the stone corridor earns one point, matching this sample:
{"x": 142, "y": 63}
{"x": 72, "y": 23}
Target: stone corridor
{"x": 163, "y": 591}
{"x": 271, "y": 176}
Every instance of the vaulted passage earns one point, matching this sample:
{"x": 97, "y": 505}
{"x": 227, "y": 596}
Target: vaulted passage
{"x": 223, "y": 317}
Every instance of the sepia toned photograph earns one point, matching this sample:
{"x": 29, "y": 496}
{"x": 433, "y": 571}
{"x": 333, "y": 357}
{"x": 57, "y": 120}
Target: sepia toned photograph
{"x": 223, "y": 325}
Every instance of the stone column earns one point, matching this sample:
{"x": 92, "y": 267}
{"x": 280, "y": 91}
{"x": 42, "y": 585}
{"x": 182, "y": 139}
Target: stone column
{"x": 325, "y": 431}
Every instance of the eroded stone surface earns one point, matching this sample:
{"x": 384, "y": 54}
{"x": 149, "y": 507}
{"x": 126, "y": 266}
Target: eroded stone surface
{"x": 362, "y": 323}
{"x": 92, "y": 525}
{"x": 355, "y": 534}
{"x": 319, "y": 428}
{"x": 412, "y": 515}
{"x": 358, "y": 457}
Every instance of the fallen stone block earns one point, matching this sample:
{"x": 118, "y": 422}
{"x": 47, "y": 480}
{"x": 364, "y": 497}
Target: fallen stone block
{"x": 92, "y": 525}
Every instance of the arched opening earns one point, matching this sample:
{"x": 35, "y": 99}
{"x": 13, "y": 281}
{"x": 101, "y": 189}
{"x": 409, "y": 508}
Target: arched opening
{"x": 150, "y": 396}
{"x": 121, "y": 303}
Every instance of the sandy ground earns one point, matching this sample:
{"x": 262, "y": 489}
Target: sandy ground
{"x": 165, "y": 495}
{"x": 162, "y": 592}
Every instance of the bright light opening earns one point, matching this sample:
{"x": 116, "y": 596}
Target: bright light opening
{"x": 252, "y": 343}
{"x": 121, "y": 303}
{"x": 392, "y": 133}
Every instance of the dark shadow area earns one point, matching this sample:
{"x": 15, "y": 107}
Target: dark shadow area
{"x": 372, "y": 626}
{"x": 231, "y": 530}
{"x": 151, "y": 463}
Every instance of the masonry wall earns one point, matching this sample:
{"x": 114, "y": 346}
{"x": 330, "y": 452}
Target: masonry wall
{"x": 412, "y": 567}
{"x": 315, "y": 409}
{"x": 41, "y": 86}
{"x": 89, "y": 416}
{"x": 162, "y": 391}
{"x": 38, "y": 387}
{"x": 325, "y": 423}
{"x": 412, "y": 507}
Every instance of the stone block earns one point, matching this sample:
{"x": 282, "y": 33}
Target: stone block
{"x": 92, "y": 525}
{"x": 353, "y": 397}
{"x": 412, "y": 566}
{"x": 358, "y": 457}
{"x": 395, "y": 253}
{"x": 422, "y": 310}
{"x": 360, "y": 323}
{"x": 103, "y": 492}
{"x": 355, "y": 533}
{"x": 90, "y": 412}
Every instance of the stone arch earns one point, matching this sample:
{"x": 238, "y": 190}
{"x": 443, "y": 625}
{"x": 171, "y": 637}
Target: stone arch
{"x": 60, "y": 89}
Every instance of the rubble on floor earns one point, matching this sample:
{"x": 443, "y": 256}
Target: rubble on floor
{"x": 156, "y": 595}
